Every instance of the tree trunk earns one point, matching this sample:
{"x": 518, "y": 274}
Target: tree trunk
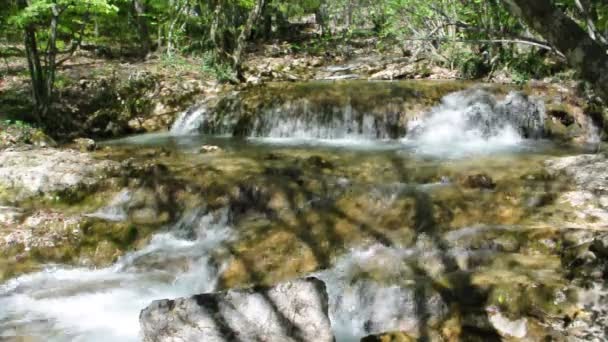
{"x": 41, "y": 87}
{"x": 348, "y": 15}
{"x": 139, "y": 7}
{"x": 320, "y": 18}
{"x": 214, "y": 29}
{"x": 51, "y": 60}
{"x": 245, "y": 34}
{"x": 581, "y": 51}
{"x": 35, "y": 68}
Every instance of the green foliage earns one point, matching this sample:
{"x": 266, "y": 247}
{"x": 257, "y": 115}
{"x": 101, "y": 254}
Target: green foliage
{"x": 472, "y": 66}
{"x": 38, "y": 10}
{"x": 221, "y": 71}
{"x": 16, "y": 124}
{"x": 194, "y": 36}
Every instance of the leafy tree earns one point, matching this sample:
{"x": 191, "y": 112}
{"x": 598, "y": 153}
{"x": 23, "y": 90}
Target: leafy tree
{"x": 45, "y": 23}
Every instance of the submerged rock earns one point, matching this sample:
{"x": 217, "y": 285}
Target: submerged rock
{"x": 389, "y": 337}
{"x": 291, "y": 311}
{"x": 479, "y": 181}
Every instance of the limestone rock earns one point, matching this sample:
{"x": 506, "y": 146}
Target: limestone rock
{"x": 505, "y": 326}
{"x": 291, "y": 311}
{"x": 10, "y": 215}
{"x": 32, "y": 171}
{"x": 395, "y": 71}
{"x": 590, "y": 193}
{"x": 85, "y": 144}
{"x": 209, "y": 149}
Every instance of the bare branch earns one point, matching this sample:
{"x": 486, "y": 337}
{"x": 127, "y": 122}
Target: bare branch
{"x": 492, "y": 41}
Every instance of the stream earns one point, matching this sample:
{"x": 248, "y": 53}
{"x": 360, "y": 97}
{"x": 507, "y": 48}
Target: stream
{"x": 404, "y": 215}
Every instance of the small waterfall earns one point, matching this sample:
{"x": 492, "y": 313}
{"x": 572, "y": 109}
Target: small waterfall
{"x": 303, "y": 120}
{"x": 190, "y": 121}
{"x": 474, "y": 121}
{"x": 83, "y": 304}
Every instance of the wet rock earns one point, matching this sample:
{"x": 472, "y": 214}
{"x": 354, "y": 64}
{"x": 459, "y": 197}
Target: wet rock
{"x": 479, "y": 181}
{"x": 34, "y": 171}
{"x": 589, "y": 195}
{"x": 291, "y": 311}
{"x": 587, "y": 171}
{"x": 41, "y": 229}
{"x": 85, "y": 144}
{"x": 562, "y": 115}
{"x": 10, "y": 215}
{"x": 599, "y": 246}
{"x": 290, "y": 172}
{"x": 148, "y": 215}
{"x": 389, "y": 337}
{"x": 272, "y": 156}
{"x": 506, "y": 327}
{"x": 525, "y": 113}
{"x": 319, "y": 162}
{"x": 209, "y": 149}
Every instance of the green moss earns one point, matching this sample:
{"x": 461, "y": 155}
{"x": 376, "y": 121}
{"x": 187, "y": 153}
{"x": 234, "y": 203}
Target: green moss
{"x": 519, "y": 300}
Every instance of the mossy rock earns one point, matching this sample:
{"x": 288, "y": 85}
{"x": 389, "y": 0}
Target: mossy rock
{"x": 520, "y": 300}
{"x": 123, "y": 234}
{"x": 389, "y": 337}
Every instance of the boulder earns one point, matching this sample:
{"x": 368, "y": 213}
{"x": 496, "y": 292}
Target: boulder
{"x": 479, "y": 181}
{"x": 292, "y": 311}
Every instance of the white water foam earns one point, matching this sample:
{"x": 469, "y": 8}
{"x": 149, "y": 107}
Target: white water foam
{"x": 116, "y": 210}
{"x": 371, "y": 290}
{"x": 189, "y": 122}
{"x": 466, "y": 123}
{"x": 83, "y": 304}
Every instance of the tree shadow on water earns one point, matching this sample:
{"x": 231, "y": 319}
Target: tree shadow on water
{"x": 461, "y": 295}
{"x": 311, "y": 215}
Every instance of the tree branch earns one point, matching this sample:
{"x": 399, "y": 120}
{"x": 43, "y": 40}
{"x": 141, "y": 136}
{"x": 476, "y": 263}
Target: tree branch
{"x": 493, "y": 41}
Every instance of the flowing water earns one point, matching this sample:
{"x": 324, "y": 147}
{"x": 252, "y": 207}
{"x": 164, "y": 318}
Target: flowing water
{"x": 373, "y": 199}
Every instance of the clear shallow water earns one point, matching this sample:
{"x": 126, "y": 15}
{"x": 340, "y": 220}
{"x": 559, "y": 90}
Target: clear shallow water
{"x": 82, "y": 304}
{"x": 371, "y": 284}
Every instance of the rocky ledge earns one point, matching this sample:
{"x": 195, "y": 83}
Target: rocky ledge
{"x": 292, "y": 311}
{"x": 589, "y": 192}
{"x": 25, "y": 172}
